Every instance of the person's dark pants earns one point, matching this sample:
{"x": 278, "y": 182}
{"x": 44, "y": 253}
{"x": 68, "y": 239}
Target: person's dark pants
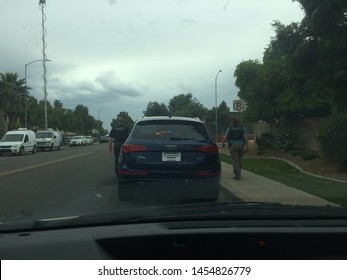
{"x": 236, "y": 153}
{"x": 116, "y": 151}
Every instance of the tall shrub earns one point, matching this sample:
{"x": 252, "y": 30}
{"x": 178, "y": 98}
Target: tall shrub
{"x": 333, "y": 138}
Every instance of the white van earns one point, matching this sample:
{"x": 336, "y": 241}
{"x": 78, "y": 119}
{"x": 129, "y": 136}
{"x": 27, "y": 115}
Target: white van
{"x": 18, "y": 142}
{"x": 49, "y": 139}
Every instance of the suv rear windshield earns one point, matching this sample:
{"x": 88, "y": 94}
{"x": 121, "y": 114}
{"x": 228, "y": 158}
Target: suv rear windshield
{"x": 170, "y": 130}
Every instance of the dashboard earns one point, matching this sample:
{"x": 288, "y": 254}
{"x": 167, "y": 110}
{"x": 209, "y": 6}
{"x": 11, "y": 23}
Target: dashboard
{"x": 223, "y": 239}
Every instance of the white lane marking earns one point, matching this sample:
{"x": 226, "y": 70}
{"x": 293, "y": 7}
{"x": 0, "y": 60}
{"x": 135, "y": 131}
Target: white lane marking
{"x": 58, "y": 219}
{"x": 41, "y": 164}
{"x": 98, "y": 195}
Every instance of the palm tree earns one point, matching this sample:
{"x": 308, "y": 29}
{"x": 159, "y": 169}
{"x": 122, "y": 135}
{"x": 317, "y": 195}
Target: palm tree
{"x": 12, "y": 97}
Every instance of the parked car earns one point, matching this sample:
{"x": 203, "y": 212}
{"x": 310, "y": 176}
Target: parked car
{"x": 18, "y": 142}
{"x": 104, "y": 138}
{"x": 173, "y": 154}
{"x": 89, "y": 140}
{"x": 47, "y": 139}
{"x": 78, "y": 141}
{"x": 66, "y": 140}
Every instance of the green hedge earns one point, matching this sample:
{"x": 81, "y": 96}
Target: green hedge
{"x": 333, "y": 138}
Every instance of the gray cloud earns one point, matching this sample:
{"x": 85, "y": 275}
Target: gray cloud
{"x": 106, "y": 87}
{"x": 109, "y": 83}
{"x": 123, "y": 54}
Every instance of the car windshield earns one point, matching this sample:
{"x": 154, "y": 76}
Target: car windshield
{"x": 194, "y": 108}
{"x": 12, "y": 138}
{"x": 44, "y": 134}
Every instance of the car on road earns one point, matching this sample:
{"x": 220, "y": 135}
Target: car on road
{"x": 48, "y": 139}
{"x": 175, "y": 155}
{"x": 79, "y": 140}
{"x": 89, "y": 140}
{"x": 104, "y": 138}
{"x": 18, "y": 142}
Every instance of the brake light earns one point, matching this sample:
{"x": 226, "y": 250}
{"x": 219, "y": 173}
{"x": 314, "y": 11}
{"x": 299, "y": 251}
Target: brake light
{"x": 132, "y": 148}
{"x": 211, "y": 149}
{"x": 127, "y": 172}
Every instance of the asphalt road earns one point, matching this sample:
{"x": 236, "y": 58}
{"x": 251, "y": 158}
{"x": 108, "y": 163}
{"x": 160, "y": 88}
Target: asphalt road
{"x": 69, "y": 182}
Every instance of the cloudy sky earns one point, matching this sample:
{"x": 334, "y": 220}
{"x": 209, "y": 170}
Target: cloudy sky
{"x": 117, "y": 55}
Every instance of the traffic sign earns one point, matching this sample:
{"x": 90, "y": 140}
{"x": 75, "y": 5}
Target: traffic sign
{"x": 238, "y": 105}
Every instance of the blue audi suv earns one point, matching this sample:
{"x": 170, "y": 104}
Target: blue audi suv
{"x": 171, "y": 156}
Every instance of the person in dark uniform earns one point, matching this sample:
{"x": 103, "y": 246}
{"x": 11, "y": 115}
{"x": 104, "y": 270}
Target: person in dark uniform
{"x": 236, "y": 137}
{"x": 119, "y": 133}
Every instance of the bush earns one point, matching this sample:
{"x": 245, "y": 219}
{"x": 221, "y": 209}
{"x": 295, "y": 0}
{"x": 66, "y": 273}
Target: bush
{"x": 333, "y": 138}
{"x": 264, "y": 141}
{"x": 287, "y": 141}
{"x": 296, "y": 153}
{"x": 308, "y": 155}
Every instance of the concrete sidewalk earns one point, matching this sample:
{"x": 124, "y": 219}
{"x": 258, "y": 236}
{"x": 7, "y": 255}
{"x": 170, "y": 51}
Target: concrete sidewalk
{"x": 255, "y": 188}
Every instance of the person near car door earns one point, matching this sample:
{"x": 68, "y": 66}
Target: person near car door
{"x": 118, "y": 134}
{"x": 235, "y": 136}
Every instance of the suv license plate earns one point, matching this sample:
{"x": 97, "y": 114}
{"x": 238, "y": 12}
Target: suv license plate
{"x": 171, "y": 156}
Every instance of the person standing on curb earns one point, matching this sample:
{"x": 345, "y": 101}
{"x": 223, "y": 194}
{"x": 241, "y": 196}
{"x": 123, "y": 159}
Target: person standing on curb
{"x": 118, "y": 134}
{"x": 235, "y": 136}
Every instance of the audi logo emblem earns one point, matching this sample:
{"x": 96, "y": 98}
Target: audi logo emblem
{"x": 171, "y": 147}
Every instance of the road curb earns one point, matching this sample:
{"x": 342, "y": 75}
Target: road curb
{"x": 230, "y": 195}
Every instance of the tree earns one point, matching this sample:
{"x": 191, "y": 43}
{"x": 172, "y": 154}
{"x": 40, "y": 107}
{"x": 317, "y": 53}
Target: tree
{"x": 325, "y": 23}
{"x": 295, "y": 78}
{"x": 251, "y": 83}
{"x": 127, "y": 120}
{"x": 186, "y": 105}
{"x": 33, "y": 112}
{"x": 223, "y": 117}
{"x": 178, "y": 102}
{"x": 80, "y": 119}
{"x": 39, "y": 114}
{"x": 12, "y": 96}
{"x": 68, "y": 123}
{"x": 156, "y": 109}
{"x": 296, "y": 56}
{"x": 57, "y": 118}
{"x": 193, "y": 110}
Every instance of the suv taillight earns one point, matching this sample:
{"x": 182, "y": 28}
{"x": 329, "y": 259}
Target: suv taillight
{"x": 211, "y": 149}
{"x": 132, "y": 148}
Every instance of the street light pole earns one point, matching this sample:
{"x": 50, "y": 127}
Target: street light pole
{"x": 215, "y": 92}
{"x": 26, "y": 97}
{"x": 44, "y": 58}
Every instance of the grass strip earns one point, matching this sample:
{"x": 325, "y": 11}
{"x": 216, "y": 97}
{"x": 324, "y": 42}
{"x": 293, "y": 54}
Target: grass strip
{"x": 285, "y": 173}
